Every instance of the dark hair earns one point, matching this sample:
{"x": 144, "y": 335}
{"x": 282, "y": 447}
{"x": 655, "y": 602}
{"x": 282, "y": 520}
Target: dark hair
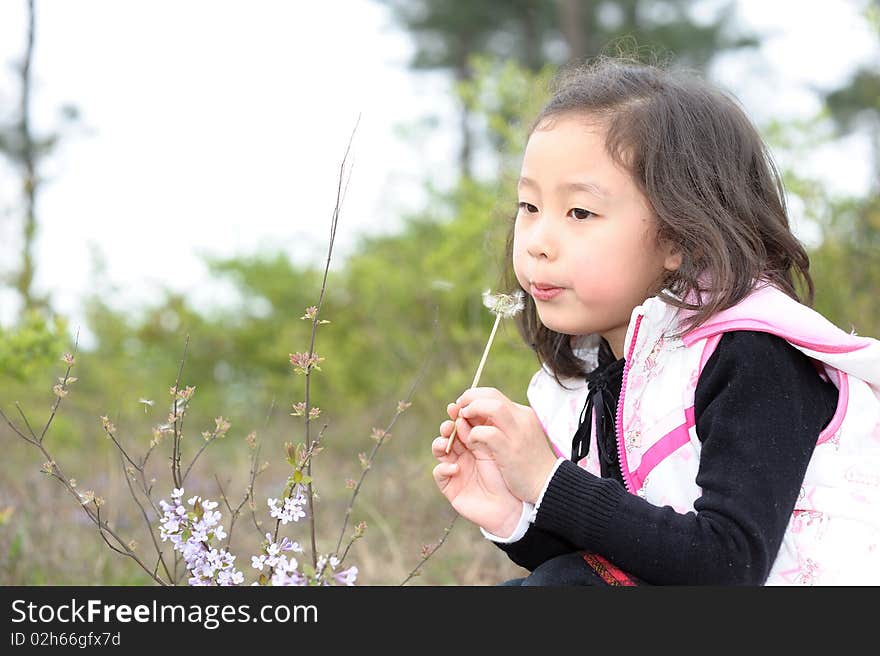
{"x": 707, "y": 175}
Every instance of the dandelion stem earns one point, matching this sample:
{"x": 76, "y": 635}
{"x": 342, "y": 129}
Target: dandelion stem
{"x": 479, "y": 370}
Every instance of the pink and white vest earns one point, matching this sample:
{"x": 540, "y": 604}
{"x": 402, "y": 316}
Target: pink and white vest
{"x": 833, "y": 536}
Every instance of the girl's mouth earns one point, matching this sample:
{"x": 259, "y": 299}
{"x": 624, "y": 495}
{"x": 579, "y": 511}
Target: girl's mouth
{"x": 542, "y": 292}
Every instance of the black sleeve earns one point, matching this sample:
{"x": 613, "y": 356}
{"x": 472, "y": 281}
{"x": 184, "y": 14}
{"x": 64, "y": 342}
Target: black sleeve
{"x": 535, "y": 547}
{"x": 759, "y": 406}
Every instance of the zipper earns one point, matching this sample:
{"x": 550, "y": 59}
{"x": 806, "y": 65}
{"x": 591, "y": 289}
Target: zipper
{"x": 621, "y": 451}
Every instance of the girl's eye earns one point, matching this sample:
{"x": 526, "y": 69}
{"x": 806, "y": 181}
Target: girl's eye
{"x": 528, "y": 207}
{"x": 584, "y": 214}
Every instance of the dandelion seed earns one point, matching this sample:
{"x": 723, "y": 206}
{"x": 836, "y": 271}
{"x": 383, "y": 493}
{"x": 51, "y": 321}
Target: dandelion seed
{"x": 502, "y": 306}
{"x": 442, "y": 285}
{"x": 146, "y": 403}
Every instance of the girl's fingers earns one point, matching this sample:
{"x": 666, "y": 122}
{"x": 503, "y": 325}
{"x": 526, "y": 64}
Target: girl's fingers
{"x": 474, "y": 393}
{"x": 443, "y": 472}
{"x": 446, "y": 428}
{"x": 482, "y": 435}
{"x": 487, "y": 411}
{"x": 438, "y": 446}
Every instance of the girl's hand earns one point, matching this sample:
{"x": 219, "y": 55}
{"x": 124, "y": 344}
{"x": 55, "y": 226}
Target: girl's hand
{"x": 512, "y": 433}
{"x": 472, "y": 483}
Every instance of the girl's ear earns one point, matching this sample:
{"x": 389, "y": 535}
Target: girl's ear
{"x": 672, "y": 261}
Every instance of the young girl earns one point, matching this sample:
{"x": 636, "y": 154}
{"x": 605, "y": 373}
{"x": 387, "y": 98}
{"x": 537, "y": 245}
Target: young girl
{"x": 693, "y": 422}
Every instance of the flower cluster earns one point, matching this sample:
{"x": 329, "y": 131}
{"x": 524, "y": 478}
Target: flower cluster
{"x": 191, "y": 533}
{"x": 291, "y": 509}
{"x": 329, "y": 575}
{"x": 280, "y": 569}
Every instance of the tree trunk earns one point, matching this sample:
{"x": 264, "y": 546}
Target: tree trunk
{"x": 575, "y": 21}
{"x": 25, "y": 277}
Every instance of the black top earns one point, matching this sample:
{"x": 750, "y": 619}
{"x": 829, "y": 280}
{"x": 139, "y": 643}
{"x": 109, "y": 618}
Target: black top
{"x": 759, "y": 407}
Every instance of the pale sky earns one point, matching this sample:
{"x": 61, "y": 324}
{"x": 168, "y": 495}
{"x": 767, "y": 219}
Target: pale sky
{"x": 219, "y": 127}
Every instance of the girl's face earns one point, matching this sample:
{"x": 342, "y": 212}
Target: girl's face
{"x": 584, "y": 244}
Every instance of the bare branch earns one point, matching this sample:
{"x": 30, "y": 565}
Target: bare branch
{"x": 425, "y": 558}
{"x": 333, "y": 224}
{"x": 175, "y": 454}
{"x": 146, "y": 518}
{"x": 15, "y": 428}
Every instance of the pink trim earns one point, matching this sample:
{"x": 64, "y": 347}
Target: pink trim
{"x": 840, "y": 412}
{"x": 712, "y": 329}
{"x": 621, "y": 450}
{"x": 665, "y": 447}
{"x": 552, "y": 443}
{"x": 708, "y": 350}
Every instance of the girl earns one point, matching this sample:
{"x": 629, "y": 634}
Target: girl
{"x": 693, "y": 420}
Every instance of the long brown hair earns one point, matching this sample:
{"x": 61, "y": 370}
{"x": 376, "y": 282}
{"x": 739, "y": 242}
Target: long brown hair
{"x": 708, "y": 177}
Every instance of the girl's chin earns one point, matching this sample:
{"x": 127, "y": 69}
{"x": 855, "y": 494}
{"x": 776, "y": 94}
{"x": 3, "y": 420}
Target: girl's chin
{"x": 558, "y": 325}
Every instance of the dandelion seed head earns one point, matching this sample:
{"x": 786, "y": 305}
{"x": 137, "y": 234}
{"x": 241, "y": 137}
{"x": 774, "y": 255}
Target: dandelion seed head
{"x": 506, "y": 305}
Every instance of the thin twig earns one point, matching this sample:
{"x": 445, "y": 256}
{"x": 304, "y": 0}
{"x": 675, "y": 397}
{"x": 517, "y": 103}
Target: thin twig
{"x": 119, "y": 446}
{"x": 15, "y": 428}
{"x": 146, "y": 518}
{"x": 425, "y": 558}
{"x": 175, "y": 455}
{"x": 204, "y": 446}
{"x": 333, "y": 224}
{"x": 26, "y": 422}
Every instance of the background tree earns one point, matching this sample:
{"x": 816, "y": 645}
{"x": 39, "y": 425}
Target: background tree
{"x": 535, "y": 33}
{"x": 847, "y": 262}
{"x": 33, "y": 337}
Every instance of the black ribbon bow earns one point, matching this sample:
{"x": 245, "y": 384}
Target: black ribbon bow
{"x": 599, "y": 396}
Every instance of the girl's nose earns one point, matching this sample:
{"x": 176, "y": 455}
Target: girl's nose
{"x": 541, "y": 240}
